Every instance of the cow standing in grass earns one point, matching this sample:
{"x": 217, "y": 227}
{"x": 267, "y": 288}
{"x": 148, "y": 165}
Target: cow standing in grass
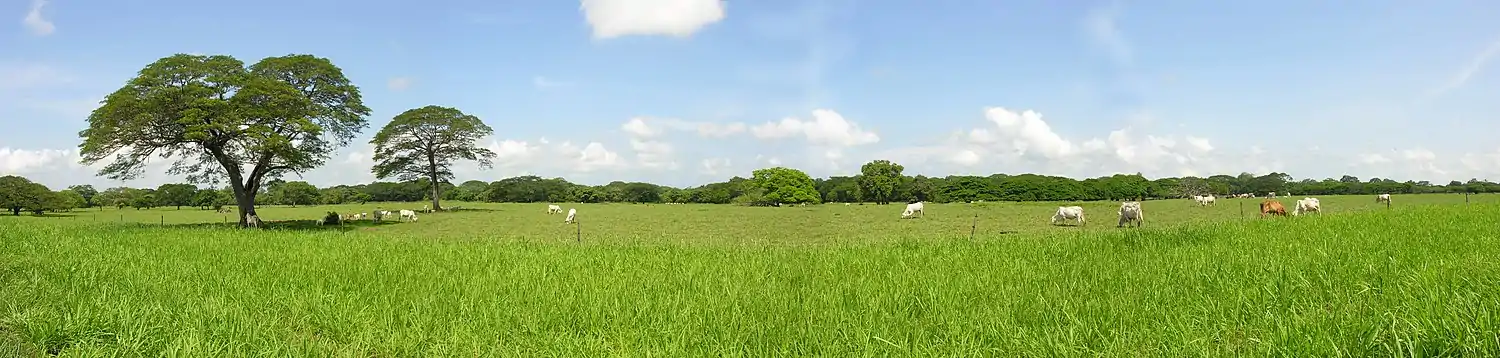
{"x": 1383, "y": 198}
{"x": 1307, "y": 205}
{"x": 1271, "y": 207}
{"x": 1069, "y": 213}
{"x": 1130, "y": 211}
{"x": 913, "y": 209}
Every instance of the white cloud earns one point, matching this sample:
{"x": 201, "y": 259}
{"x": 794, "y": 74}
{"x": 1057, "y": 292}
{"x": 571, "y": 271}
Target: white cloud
{"x": 826, "y": 128}
{"x": 399, "y": 83}
{"x": 1373, "y": 159}
{"x": 714, "y": 130}
{"x": 677, "y": 18}
{"x": 714, "y": 166}
{"x": 21, "y": 161}
{"x": 1024, "y": 132}
{"x": 35, "y": 22}
{"x": 1201, "y": 144}
{"x": 637, "y": 127}
{"x": 653, "y": 154}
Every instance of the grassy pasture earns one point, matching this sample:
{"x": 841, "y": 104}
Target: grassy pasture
{"x": 702, "y": 224}
{"x": 1421, "y": 279}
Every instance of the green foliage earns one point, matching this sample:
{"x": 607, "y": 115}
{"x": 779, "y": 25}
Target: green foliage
{"x": 423, "y": 143}
{"x": 785, "y": 185}
{"x": 222, "y": 120}
{"x": 212, "y": 199}
{"x": 294, "y": 193}
{"x": 879, "y": 180}
{"x": 67, "y": 200}
{"x": 18, "y": 194}
{"x": 332, "y": 218}
{"x": 178, "y": 195}
{"x": 88, "y": 193}
{"x": 701, "y": 280}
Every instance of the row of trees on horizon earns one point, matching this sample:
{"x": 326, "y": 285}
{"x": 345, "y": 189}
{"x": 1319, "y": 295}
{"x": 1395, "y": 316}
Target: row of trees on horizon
{"x": 249, "y": 126}
{"x": 879, "y": 182}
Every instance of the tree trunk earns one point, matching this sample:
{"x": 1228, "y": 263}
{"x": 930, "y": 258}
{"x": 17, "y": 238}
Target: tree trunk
{"x": 436, "y": 192}
{"x": 15, "y": 211}
{"x": 245, "y": 200}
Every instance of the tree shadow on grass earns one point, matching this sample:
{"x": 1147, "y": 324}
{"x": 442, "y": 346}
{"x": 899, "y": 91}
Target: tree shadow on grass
{"x": 292, "y": 225}
{"x": 465, "y": 210}
{"x": 46, "y": 215}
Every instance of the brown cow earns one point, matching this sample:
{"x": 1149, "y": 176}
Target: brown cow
{"x": 1271, "y": 207}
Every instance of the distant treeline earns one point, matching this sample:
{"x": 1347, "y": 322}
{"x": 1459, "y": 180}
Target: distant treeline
{"x": 884, "y": 184}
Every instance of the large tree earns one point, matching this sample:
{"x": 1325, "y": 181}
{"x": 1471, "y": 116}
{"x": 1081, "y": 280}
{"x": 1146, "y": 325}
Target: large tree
{"x": 87, "y": 191}
{"x": 785, "y": 185}
{"x": 879, "y": 180}
{"x": 222, "y": 120}
{"x": 423, "y": 143}
{"x": 17, "y": 193}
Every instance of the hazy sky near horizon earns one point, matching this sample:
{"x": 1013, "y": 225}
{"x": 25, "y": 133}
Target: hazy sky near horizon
{"x": 685, "y": 92}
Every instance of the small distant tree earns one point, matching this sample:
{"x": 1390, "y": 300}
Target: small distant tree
{"x": 423, "y": 143}
{"x": 67, "y": 200}
{"x": 178, "y": 195}
{"x": 88, "y": 193}
{"x": 295, "y": 193}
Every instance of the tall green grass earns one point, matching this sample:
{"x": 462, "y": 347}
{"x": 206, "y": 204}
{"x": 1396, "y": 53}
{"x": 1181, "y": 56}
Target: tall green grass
{"x": 1422, "y": 281}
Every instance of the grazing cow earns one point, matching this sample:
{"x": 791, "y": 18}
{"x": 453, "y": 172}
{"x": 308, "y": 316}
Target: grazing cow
{"x": 1307, "y": 205}
{"x": 408, "y": 214}
{"x": 1069, "y": 213}
{"x": 252, "y": 221}
{"x": 1383, "y": 198}
{"x": 553, "y": 209}
{"x": 1205, "y": 200}
{"x": 1130, "y": 211}
{"x": 913, "y": 209}
{"x": 572, "y": 216}
{"x": 1271, "y": 207}
{"x": 1272, "y": 195}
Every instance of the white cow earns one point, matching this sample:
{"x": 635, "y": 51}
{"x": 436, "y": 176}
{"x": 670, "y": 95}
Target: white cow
{"x": 408, "y": 214}
{"x": 572, "y": 216}
{"x": 1383, "y": 198}
{"x": 1205, "y": 200}
{"x": 1308, "y": 205}
{"x": 1130, "y": 211}
{"x": 1069, "y": 213}
{"x": 553, "y": 209}
{"x": 912, "y": 209}
{"x": 1272, "y": 195}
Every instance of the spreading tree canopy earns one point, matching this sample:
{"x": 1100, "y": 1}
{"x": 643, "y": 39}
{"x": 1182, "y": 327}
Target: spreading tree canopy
{"x": 785, "y": 185}
{"x": 222, "y": 120}
{"x": 423, "y": 143}
{"x": 879, "y": 180}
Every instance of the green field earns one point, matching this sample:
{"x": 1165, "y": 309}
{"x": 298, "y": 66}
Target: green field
{"x": 1419, "y": 279}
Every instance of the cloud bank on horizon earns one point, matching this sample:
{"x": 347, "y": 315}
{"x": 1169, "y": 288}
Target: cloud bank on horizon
{"x": 685, "y": 92}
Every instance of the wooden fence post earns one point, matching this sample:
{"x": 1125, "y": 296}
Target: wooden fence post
{"x": 577, "y": 231}
{"x": 973, "y": 226}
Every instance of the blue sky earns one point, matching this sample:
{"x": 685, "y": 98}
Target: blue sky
{"x": 683, "y": 92}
